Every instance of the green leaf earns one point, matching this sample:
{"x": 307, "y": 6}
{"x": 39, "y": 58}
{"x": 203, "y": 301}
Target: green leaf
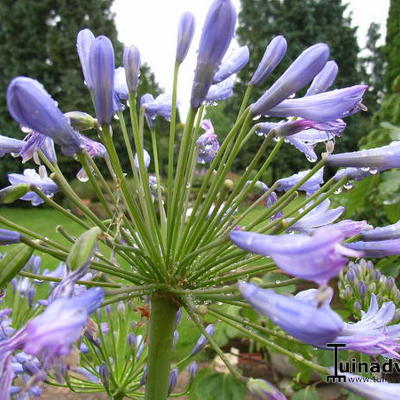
{"x": 218, "y": 386}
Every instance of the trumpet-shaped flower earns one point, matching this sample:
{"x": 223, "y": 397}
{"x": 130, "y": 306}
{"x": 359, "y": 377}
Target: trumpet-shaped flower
{"x": 317, "y": 257}
{"x": 34, "y": 142}
{"x": 382, "y": 233}
{"x": 232, "y": 63}
{"x": 161, "y": 105}
{"x": 10, "y": 145}
{"x": 207, "y": 143}
{"x": 301, "y": 318}
{"x": 187, "y": 25}
{"x": 301, "y": 72}
{"x": 327, "y": 106}
{"x": 378, "y": 249}
{"x": 221, "y": 91}
{"x": 31, "y": 106}
{"x": 273, "y": 55}
{"x": 215, "y": 39}
{"x": 324, "y": 79}
{"x": 310, "y": 186}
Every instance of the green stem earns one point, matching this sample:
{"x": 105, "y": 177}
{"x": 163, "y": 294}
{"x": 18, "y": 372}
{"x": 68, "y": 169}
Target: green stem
{"x": 162, "y": 325}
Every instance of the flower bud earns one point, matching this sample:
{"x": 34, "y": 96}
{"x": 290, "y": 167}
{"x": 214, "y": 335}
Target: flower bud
{"x": 102, "y": 69}
{"x": 202, "y": 341}
{"x": 273, "y": 55}
{"x": 187, "y": 25}
{"x": 83, "y": 248}
{"x": 81, "y": 121}
{"x": 132, "y": 63}
{"x": 104, "y": 373}
{"x": 263, "y": 390}
{"x": 84, "y": 42}
{"x": 193, "y": 368}
{"x": 324, "y": 79}
{"x": 173, "y": 379}
{"x": 234, "y": 62}
{"x": 12, "y": 193}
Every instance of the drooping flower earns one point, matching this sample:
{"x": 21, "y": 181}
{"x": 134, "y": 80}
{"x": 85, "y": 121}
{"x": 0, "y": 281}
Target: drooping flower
{"x": 260, "y": 389}
{"x": 102, "y": 70}
{"x": 233, "y": 62}
{"x": 317, "y": 257}
{"x": 303, "y": 319}
{"x": 40, "y": 180}
{"x": 121, "y": 91}
{"x": 132, "y": 64}
{"x": 207, "y": 144}
{"x": 273, "y": 55}
{"x": 382, "y": 233}
{"x": 310, "y": 186}
{"x": 301, "y": 72}
{"x": 378, "y": 249}
{"x": 94, "y": 149}
{"x": 33, "y": 142}
{"x": 202, "y": 341}
{"x": 10, "y": 145}
{"x": 221, "y": 91}
{"x": 379, "y": 158}
{"x": 355, "y": 174}
{"x": 31, "y": 106}
{"x": 187, "y": 25}
{"x": 327, "y": 106}
{"x": 84, "y": 42}
{"x": 215, "y": 39}
{"x": 324, "y": 79}
{"x": 319, "y": 216}
{"x": 9, "y": 237}
{"x": 161, "y": 105}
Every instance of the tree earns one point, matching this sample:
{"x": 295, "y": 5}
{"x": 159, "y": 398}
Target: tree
{"x": 392, "y": 48}
{"x": 45, "y": 49}
{"x": 303, "y": 23}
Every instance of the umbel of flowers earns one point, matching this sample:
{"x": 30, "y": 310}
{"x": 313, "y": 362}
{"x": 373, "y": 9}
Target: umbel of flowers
{"x": 164, "y": 243}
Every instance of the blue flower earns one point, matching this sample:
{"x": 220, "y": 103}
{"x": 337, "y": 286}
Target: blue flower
{"x": 161, "y": 105}
{"x": 187, "y": 25}
{"x": 221, "y": 91}
{"x": 202, "y": 341}
{"x": 232, "y": 63}
{"x": 10, "y": 145}
{"x": 310, "y": 187}
{"x": 378, "y": 249}
{"x": 207, "y": 144}
{"x": 382, "y": 233}
{"x": 84, "y": 42}
{"x": 132, "y": 63}
{"x": 324, "y": 79}
{"x": 9, "y": 237}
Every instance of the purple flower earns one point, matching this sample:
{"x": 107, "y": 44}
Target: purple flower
{"x": 9, "y": 237}
{"x": 94, "y": 149}
{"x": 146, "y": 157}
{"x": 215, "y": 39}
{"x": 382, "y": 233}
{"x": 102, "y": 69}
{"x": 350, "y": 228}
{"x": 273, "y": 55}
{"x": 232, "y": 63}
{"x": 40, "y": 180}
{"x": 161, "y": 105}
{"x": 319, "y": 216}
{"x": 31, "y": 106}
{"x": 370, "y": 389}
{"x": 193, "y": 369}
{"x": 221, "y": 91}
{"x": 355, "y": 174}
{"x": 263, "y": 390}
{"x": 379, "y": 158}
{"x": 34, "y": 142}
{"x": 207, "y": 143}
{"x": 301, "y": 318}
{"x": 173, "y": 379}
{"x": 84, "y": 42}
{"x": 317, "y": 257}
{"x": 121, "y": 92}
{"x": 202, "y": 341}
{"x": 10, "y": 145}
{"x": 381, "y": 248}
{"x": 271, "y": 199}
{"x": 132, "y": 64}
{"x": 327, "y": 106}
{"x": 324, "y": 79}
{"x": 187, "y": 25}
{"x": 301, "y": 72}
{"x": 310, "y": 187}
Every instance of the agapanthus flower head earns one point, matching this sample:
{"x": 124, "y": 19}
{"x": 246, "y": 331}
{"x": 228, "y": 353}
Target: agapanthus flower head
{"x": 207, "y": 143}
{"x": 234, "y": 61}
{"x": 260, "y": 389}
{"x": 300, "y": 318}
{"x": 33, "y": 142}
{"x": 202, "y": 341}
{"x": 31, "y": 106}
{"x": 9, "y": 237}
{"x": 327, "y": 106}
{"x": 159, "y": 106}
{"x": 84, "y": 42}
{"x": 186, "y": 28}
{"x": 273, "y": 55}
{"x": 40, "y": 180}
{"x": 379, "y": 158}
{"x": 377, "y": 249}
{"x": 301, "y": 72}
{"x": 382, "y": 233}
{"x": 215, "y": 39}
{"x": 317, "y": 257}
{"x": 102, "y": 70}
{"x": 10, "y": 145}
{"x": 310, "y": 187}
{"x": 221, "y": 91}
{"x": 132, "y": 63}
{"x": 324, "y": 79}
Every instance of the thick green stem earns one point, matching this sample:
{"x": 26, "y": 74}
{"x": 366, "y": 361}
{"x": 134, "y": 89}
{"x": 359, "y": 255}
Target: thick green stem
{"x": 162, "y": 325}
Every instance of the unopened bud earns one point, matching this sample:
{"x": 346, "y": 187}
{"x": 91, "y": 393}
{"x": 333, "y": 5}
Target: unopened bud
{"x": 81, "y": 121}
{"x": 228, "y": 183}
{"x": 202, "y": 310}
{"x": 263, "y": 390}
{"x": 12, "y": 193}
